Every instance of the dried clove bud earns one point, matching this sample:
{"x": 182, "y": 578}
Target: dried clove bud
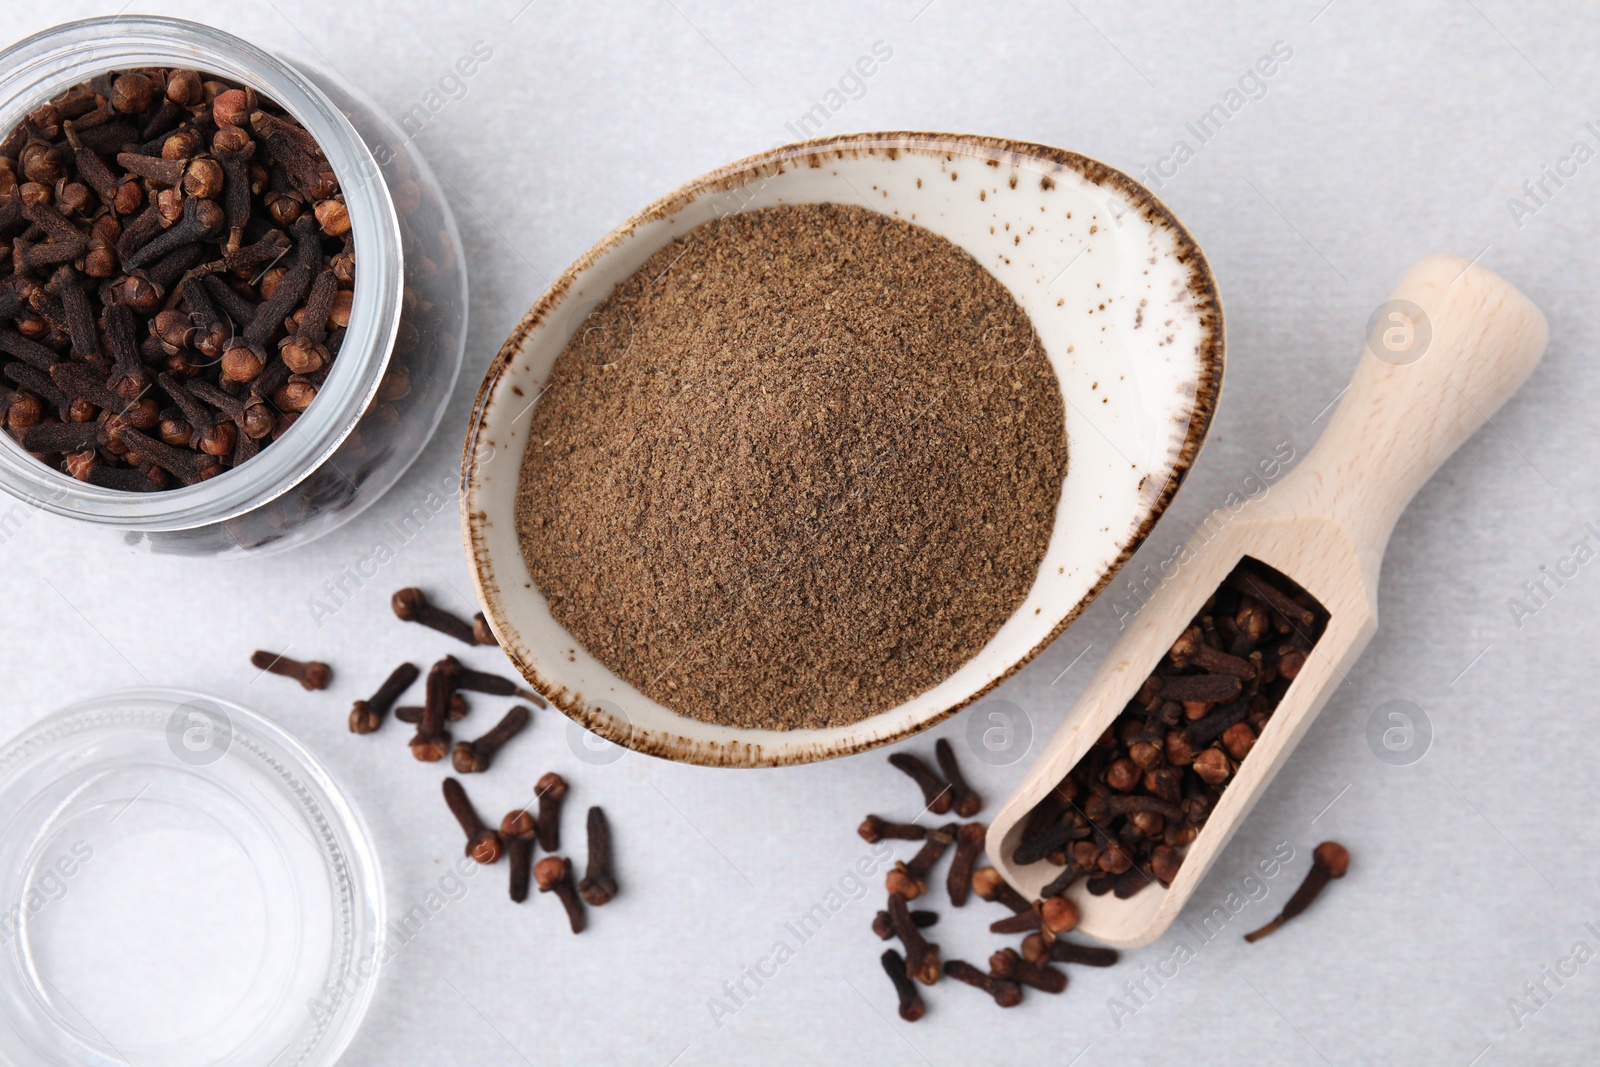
{"x": 911, "y": 1005}
{"x": 411, "y": 605}
{"x": 1213, "y": 766}
{"x": 969, "y": 846}
{"x": 910, "y": 879}
{"x": 367, "y": 715}
{"x": 431, "y": 741}
{"x": 885, "y": 930}
{"x": 554, "y": 874}
{"x": 874, "y": 829}
{"x": 922, "y": 956}
{"x": 1006, "y": 993}
{"x": 516, "y": 830}
{"x": 599, "y": 884}
{"x": 483, "y": 844}
{"x": 987, "y": 883}
{"x": 311, "y": 675}
{"x": 935, "y": 793}
{"x": 1009, "y": 964}
{"x": 1329, "y": 860}
{"x": 551, "y": 790}
{"x": 965, "y": 800}
{"x": 474, "y": 757}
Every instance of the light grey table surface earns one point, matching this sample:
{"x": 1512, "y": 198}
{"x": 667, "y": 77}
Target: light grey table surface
{"x": 1391, "y": 131}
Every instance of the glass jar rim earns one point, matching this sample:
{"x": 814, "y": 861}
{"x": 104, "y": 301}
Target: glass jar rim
{"x": 36, "y": 68}
{"x": 295, "y": 790}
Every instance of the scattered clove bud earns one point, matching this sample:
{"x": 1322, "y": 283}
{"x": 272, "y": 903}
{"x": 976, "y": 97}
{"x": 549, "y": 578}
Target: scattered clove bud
{"x": 965, "y": 800}
{"x": 367, "y": 715}
{"x": 457, "y": 711}
{"x": 310, "y": 675}
{"x": 885, "y": 929}
{"x": 1057, "y": 915}
{"x": 411, "y": 605}
{"x": 483, "y": 844}
{"x": 935, "y": 793}
{"x": 474, "y": 757}
{"x": 874, "y": 829}
{"x": 463, "y": 677}
{"x": 911, "y": 1005}
{"x": 989, "y": 885}
{"x": 431, "y": 742}
{"x": 969, "y": 846}
{"x": 599, "y": 885}
{"x": 1020, "y": 922}
{"x": 1037, "y": 949}
{"x": 1329, "y": 860}
{"x": 1041, "y": 976}
{"x": 922, "y": 956}
{"x": 551, "y": 790}
{"x": 554, "y": 874}
{"x": 517, "y": 830}
{"x": 1006, "y": 993}
{"x": 910, "y": 878}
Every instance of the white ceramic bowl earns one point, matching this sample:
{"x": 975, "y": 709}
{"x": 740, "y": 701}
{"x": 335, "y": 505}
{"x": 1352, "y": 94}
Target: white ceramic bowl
{"x": 1123, "y": 302}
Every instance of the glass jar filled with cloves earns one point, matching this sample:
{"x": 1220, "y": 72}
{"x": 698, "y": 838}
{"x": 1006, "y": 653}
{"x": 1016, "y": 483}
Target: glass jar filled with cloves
{"x": 232, "y": 297}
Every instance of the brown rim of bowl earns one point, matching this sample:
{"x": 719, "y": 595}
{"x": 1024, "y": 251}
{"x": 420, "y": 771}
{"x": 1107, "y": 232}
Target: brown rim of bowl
{"x": 732, "y": 176}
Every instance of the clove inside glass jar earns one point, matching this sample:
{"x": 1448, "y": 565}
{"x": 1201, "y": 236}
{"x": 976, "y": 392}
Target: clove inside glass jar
{"x": 398, "y": 360}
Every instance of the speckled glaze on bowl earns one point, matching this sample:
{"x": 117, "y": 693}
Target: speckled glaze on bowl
{"x": 1122, "y": 300}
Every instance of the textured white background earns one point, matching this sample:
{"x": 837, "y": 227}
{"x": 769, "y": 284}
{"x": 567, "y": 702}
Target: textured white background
{"x": 1389, "y": 134}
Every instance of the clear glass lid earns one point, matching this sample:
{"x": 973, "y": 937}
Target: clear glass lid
{"x": 182, "y": 884}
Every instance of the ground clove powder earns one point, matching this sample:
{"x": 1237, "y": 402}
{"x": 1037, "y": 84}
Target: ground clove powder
{"x": 796, "y": 469}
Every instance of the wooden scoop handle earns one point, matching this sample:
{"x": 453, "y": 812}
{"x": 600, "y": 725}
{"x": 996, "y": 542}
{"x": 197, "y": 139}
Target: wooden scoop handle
{"x": 1452, "y": 343}
{"x": 1459, "y": 343}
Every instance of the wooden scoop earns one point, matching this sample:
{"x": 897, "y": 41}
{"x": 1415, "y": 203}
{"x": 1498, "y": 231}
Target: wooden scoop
{"x": 1441, "y": 374}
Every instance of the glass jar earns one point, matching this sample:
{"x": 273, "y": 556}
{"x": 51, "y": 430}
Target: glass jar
{"x": 397, "y": 364}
